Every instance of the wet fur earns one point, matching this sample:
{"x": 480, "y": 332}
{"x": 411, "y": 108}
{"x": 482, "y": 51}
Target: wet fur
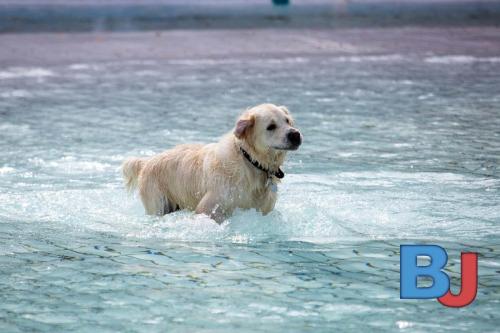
{"x": 213, "y": 179}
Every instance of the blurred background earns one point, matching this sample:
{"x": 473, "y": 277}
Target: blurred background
{"x": 125, "y": 15}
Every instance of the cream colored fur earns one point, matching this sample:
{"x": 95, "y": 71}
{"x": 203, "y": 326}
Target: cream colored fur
{"x": 215, "y": 179}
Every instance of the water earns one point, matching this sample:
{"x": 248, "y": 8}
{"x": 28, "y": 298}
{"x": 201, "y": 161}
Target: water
{"x": 397, "y": 149}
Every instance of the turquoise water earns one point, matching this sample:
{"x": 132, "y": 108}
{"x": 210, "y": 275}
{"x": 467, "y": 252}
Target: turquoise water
{"x": 397, "y": 149}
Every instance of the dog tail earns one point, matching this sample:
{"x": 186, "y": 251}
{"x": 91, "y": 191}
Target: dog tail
{"x": 131, "y": 169}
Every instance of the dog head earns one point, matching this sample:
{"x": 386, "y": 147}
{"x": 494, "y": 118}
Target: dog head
{"x": 268, "y": 128}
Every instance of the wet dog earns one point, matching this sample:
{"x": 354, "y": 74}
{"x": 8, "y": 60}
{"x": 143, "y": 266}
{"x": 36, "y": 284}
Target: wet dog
{"x": 242, "y": 170}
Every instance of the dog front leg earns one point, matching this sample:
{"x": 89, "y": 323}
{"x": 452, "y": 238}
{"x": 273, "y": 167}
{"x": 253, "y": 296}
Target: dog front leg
{"x": 268, "y": 202}
{"x": 212, "y": 205}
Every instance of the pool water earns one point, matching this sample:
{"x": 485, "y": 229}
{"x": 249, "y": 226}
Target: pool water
{"x": 398, "y": 149}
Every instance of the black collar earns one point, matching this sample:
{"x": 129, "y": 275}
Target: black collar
{"x": 278, "y": 174}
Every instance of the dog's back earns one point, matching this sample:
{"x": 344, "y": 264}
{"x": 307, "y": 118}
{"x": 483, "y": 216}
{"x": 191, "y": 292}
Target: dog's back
{"x": 168, "y": 181}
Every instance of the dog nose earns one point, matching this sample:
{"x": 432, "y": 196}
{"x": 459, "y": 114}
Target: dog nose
{"x": 294, "y": 137}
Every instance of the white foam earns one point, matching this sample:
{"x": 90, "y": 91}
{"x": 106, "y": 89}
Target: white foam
{"x": 232, "y": 61}
{"x": 17, "y": 93}
{"x": 6, "y": 169}
{"x": 460, "y": 59}
{"x": 445, "y": 177}
{"x": 207, "y": 62}
{"x": 79, "y": 67}
{"x": 22, "y": 72}
{"x": 15, "y": 130}
{"x": 71, "y": 165}
{"x": 370, "y": 58}
{"x": 403, "y": 324}
{"x": 288, "y": 60}
{"x": 310, "y": 208}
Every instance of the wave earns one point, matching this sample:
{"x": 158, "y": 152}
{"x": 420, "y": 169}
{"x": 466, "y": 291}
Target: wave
{"x": 16, "y": 93}
{"x": 460, "y": 59}
{"x": 22, "y": 72}
{"x": 371, "y": 58}
{"x": 311, "y": 208}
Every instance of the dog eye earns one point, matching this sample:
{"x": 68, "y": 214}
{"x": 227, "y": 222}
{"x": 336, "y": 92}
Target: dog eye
{"x": 271, "y": 127}
{"x": 288, "y": 121}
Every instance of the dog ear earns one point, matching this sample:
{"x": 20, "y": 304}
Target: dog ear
{"x": 284, "y": 109}
{"x": 243, "y": 125}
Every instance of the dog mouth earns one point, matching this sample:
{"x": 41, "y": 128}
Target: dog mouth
{"x": 289, "y": 147}
{"x": 292, "y": 142}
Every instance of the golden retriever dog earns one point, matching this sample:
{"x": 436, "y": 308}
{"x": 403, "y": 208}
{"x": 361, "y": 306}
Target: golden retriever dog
{"x": 242, "y": 170}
